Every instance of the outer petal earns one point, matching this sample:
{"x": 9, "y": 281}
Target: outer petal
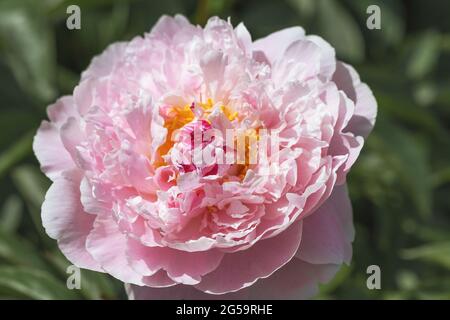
{"x": 72, "y": 136}
{"x": 304, "y": 59}
{"x": 159, "y": 280}
{"x": 64, "y": 219}
{"x": 296, "y": 280}
{"x": 50, "y": 151}
{"x": 178, "y": 292}
{"x": 328, "y": 232}
{"x": 168, "y": 26}
{"x": 363, "y": 120}
{"x": 276, "y": 43}
{"x": 181, "y": 266}
{"x": 105, "y": 63}
{"x": 241, "y": 269}
{"x": 108, "y": 245}
{"x": 61, "y": 110}
{"x": 327, "y": 56}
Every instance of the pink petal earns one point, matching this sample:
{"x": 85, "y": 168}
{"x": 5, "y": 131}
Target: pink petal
{"x": 104, "y": 64}
{"x": 181, "y": 266}
{"x": 64, "y": 220}
{"x": 241, "y": 269}
{"x": 328, "y": 232}
{"x": 327, "y": 56}
{"x": 50, "y": 151}
{"x": 159, "y": 280}
{"x": 303, "y": 60}
{"x": 90, "y": 203}
{"x": 135, "y": 168}
{"x": 178, "y": 292}
{"x": 296, "y": 280}
{"x": 165, "y": 177}
{"x": 168, "y": 26}
{"x": 72, "y": 136}
{"x": 363, "y": 120}
{"x": 108, "y": 245}
{"x": 276, "y": 43}
{"x": 244, "y": 37}
{"x": 61, "y": 110}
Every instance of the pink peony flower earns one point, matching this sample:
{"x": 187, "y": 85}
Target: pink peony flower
{"x": 128, "y": 199}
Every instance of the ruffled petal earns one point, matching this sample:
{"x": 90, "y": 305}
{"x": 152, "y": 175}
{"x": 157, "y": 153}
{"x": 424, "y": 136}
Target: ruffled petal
{"x": 181, "y": 266}
{"x": 363, "y": 120}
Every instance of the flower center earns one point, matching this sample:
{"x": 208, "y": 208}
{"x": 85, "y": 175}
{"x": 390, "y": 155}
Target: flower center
{"x": 174, "y": 119}
{"x": 177, "y": 117}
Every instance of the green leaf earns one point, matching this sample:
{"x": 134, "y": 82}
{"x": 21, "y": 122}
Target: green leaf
{"x": 405, "y": 111}
{"x": 33, "y": 284}
{"x": 441, "y": 177}
{"x": 18, "y": 151}
{"x": 16, "y": 122}
{"x": 33, "y": 185}
{"x": 425, "y": 93}
{"x": 432, "y": 232}
{"x": 67, "y": 80}
{"x": 305, "y": 8}
{"x": 205, "y": 9}
{"x": 424, "y": 55}
{"x": 18, "y": 251}
{"x": 94, "y": 285}
{"x": 407, "y": 280}
{"x": 409, "y": 159}
{"x": 11, "y": 214}
{"x": 438, "y": 253}
{"x": 337, "y": 26}
{"x": 28, "y": 45}
{"x": 427, "y": 295}
{"x": 113, "y": 26}
{"x": 14, "y": 100}
{"x": 271, "y": 16}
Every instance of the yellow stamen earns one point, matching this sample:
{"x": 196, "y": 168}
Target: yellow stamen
{"x": 229, "y": 113}
{"x": 251, "y": 136}
{"x": 178, "y": 117}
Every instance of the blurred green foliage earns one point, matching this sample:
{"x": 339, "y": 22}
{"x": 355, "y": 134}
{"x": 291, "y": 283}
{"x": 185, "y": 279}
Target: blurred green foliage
{"x": 399, "y": 187}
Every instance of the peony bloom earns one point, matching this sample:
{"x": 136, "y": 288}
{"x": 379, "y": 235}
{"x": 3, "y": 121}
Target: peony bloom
{"x": 128, "y": 199}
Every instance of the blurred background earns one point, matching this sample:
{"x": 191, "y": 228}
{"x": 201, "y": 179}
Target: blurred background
{"x": 400, "y": 187}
